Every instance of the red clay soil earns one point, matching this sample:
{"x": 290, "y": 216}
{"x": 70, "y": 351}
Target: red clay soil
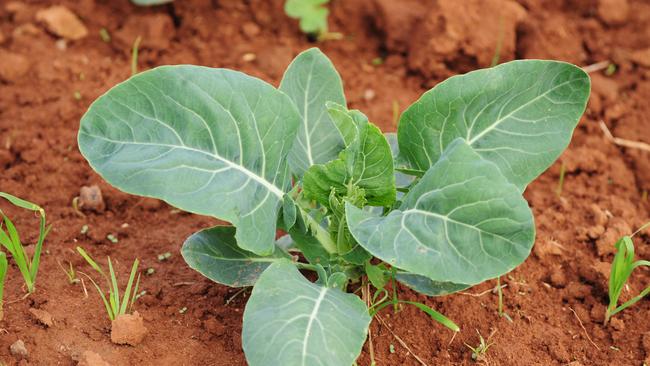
{"x": 556, "y": 299}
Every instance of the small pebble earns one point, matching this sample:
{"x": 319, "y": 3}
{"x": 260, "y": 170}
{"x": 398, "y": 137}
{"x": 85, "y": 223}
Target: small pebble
{"x": 18, "y": 349}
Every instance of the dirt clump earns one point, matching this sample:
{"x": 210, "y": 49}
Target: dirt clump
{"x": 18, "y": 349}
{"x": 62, "y": 22}
{"x": 91, "y": 199}
{"x": 128, "y": 329}
{"x": 42, "y": 317}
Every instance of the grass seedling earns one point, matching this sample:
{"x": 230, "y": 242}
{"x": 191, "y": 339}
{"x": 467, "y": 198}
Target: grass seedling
{"x": 560, "y": 183}
{"x": 622, "y": 267}
{"x": 70, "y": 273}
{"x": 479, "y": 352}
{"x": 3, "y": 275}
{"x": 11, "y": 241}
{"x": 134, "y": 55}
{"x": 115, "y": 306}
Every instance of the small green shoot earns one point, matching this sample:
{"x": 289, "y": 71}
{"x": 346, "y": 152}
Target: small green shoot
{"x": 497, "y": 50}
{"x": 611, "y": 69}
{"x": 77, "y": 95}
{"x": 112, "y": 238}
{"x": 3, "y": 275}
{"x": 479, "y": 352}
{"x": 115, "y": 306}
{"x": 84, "y": 230}
{"x": 70, "y": 273}
{"x": 182, "y": 310}
{"x": 11, "y": 241}
{"x": 134, "y": 55}
{"x": 500, "y": 310}
{"x": 164, "y": 256}
{"x": 104, "y": 35}
{"x": 560, "y": 183}
{"x": 622, "y": 267}
{"x": 150, "y": 271}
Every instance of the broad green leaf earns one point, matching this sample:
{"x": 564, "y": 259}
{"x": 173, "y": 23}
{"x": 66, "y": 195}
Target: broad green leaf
{"x": 310, "y": 81}
{"x": 463, "y": 222}
{"x": 214, "y": 253}
{"x": 290, "y": 321}
{"x": 366, "y": 163}
{"x": 425, "y": 285}
{"x": 312, "y": 14}
{"x": 208, "y": 141}
{"x": 376, "y": 274}
{"x": 520, "y": 115}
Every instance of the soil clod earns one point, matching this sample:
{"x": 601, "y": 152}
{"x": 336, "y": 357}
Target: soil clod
{"x": 128, "y": 329}
{"x": 42, "y": 317}
{"x": 18, "y": 349}
{"x": 90, "y": 198}
{"x": 62, "y": 22}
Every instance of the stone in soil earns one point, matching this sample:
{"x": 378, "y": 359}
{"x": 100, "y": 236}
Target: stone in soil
{"x": 42, "y": 317}
{"x": 18, "y": 349}
{"x": 62, "y": 22}
{"x": 128, "y": 329}
{"x": 90, "y": 198}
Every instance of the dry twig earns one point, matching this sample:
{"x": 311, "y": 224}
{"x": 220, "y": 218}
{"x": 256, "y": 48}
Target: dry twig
{"x": 623, "y": 142}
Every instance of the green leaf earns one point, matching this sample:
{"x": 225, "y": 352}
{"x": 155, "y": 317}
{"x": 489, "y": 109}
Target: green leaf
{"x": 310, "y": 81}
{"x": 310, "y": 247}
{"x": 288, "y": 212}
{"x": 208, "y": 141}
{"x": 376, "y": 274}
{"x": 214, "y": 253}
{"x": 19, "y": 202}
{"x": 425, "y": 285}
{"x": 312, "y": 14}
{"x": 290, "y": 321}
{"x": 366, "y": 163}
{"x": 520, "y": 115}
{"x": 463, "y": 222}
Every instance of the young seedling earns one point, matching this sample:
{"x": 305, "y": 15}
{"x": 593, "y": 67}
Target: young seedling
{"x": 480, "y": 351}
{"x": 622, "y": 267}
{"x": 115, "y": 306}
{"x": 313, "y": 17}
{"x": 437, "y": 206}
{"x": 10, "y": 240}
{"x": 3, "y": 276}
{"x": 69, "y": 272}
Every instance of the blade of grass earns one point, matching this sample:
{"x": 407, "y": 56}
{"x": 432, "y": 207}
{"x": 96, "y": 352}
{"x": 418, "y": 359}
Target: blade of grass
{"x": 101, "y": 294}
{"x": 135, "y": 293}
{"x": 127, "y": 291}
{"x": 19, "y": 202}
{"x": 3, "y": 275}
{"x": 18, "y": 252}
{"x": 90, "y": 261}
{"x": 115, "y": 290}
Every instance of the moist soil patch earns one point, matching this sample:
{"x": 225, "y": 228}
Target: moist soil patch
{"x": 556, "y": 299}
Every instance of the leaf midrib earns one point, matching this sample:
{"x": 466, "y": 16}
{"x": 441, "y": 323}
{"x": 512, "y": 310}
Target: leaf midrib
{"x": 259, "y": 179}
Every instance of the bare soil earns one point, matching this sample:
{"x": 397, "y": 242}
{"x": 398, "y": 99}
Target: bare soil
{"x": 556, "y": 299}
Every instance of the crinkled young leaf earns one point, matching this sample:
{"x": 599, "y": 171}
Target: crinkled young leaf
{"x": 366, "y": 163}
{"x": 520, "y": 115}
{"x": 425, "y": 285}
{"x": 310, "y": 81}
{"x": 214, "y": 253}
{"x": 463, "y": 222}
{"x": 209, "y": 141}
{"x": 290, "y": 321}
